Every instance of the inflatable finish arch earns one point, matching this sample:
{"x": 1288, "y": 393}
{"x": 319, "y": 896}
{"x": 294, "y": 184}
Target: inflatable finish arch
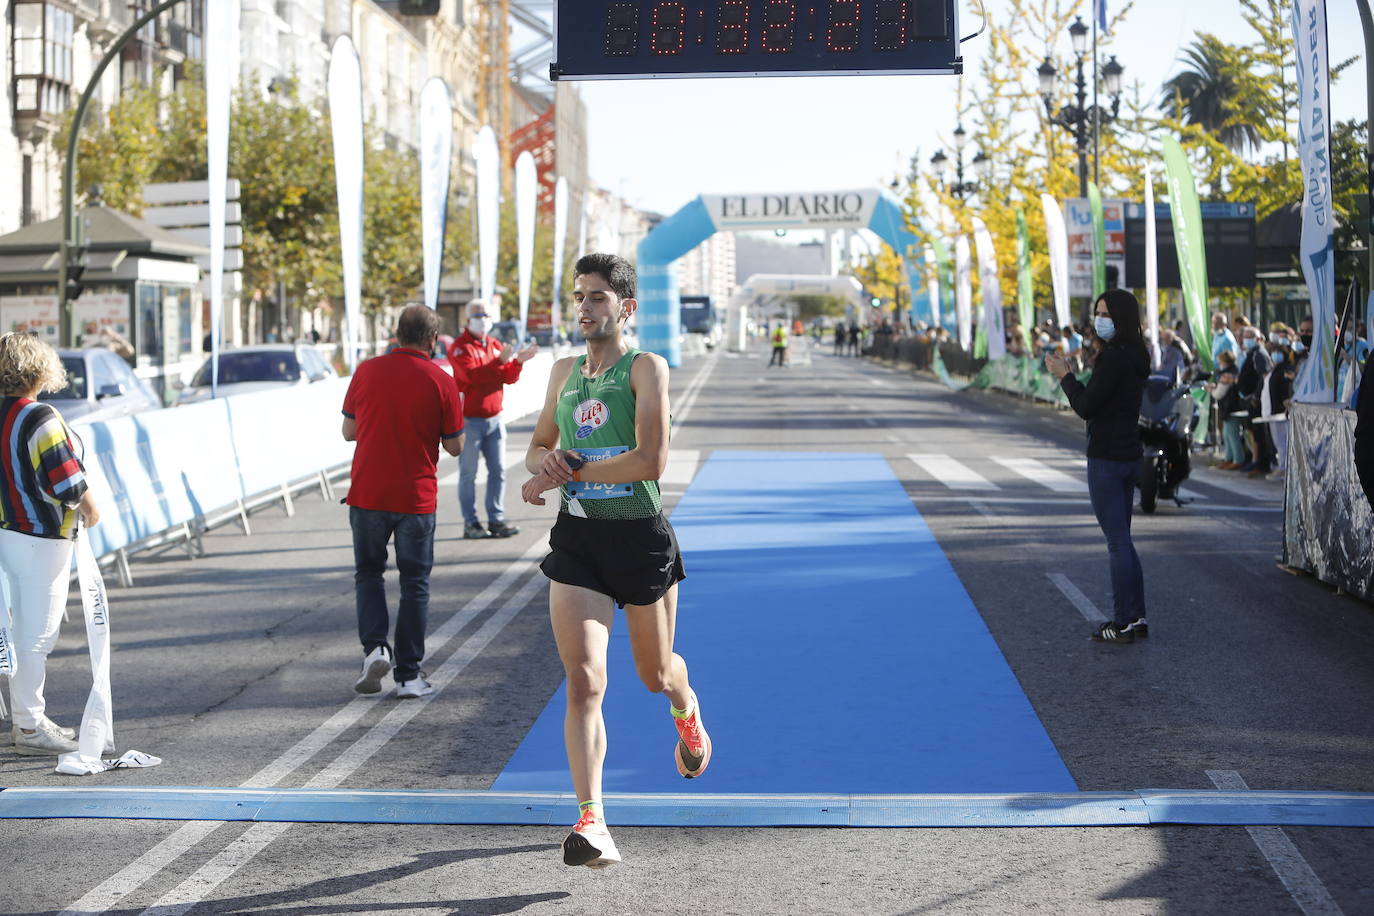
{"x": 870, "y": 208}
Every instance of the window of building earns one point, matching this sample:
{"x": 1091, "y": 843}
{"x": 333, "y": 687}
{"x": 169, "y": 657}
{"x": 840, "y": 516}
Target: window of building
{"x": 42, "y": 54}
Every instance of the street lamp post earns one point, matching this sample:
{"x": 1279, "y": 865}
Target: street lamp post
{"x": 951, "y": 174}
{"x": 1081, "y": 117}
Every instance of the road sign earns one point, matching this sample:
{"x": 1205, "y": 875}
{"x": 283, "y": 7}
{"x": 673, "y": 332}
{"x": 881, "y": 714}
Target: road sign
{"x": 615, "y": 39}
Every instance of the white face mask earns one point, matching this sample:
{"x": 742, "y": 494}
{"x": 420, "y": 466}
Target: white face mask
{"x": 1104, "y": 326}
{"x": 479, "y": 326}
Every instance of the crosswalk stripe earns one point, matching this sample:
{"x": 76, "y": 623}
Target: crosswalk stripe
{"x": 1043, "y": 474}
{"x": 953, "y": 474}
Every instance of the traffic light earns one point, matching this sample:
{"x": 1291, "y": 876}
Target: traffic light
{"x": 76, "y": 266}
{"x": 419, "y": 7}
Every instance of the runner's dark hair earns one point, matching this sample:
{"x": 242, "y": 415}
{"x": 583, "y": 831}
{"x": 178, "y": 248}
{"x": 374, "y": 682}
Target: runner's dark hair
{"x": 618, "y": 272}
{"x": 417, "y": 326}
{"x": 1125, "y": 311}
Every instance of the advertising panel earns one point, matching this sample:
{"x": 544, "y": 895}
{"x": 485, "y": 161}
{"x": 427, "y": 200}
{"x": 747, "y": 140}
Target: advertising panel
{"x": 1078, "y": 220}
{"x": 30, "y": 313}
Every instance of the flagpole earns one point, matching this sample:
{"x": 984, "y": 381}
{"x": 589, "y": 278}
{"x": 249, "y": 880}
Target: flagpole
{"x": 1097, "y": 114}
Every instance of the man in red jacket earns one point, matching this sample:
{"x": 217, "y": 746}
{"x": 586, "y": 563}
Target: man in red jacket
{"x": 483, "y": 366}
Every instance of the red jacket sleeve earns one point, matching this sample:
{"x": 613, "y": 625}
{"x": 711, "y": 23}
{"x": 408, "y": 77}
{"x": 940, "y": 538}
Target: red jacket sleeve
{"x": 478, "y": 369}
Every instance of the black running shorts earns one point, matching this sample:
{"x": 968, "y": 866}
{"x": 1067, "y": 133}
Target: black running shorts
{"x": 633, "y": 561}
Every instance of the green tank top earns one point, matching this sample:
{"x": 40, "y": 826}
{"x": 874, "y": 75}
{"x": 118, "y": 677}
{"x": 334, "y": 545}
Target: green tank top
{"x": 596, "y": 418}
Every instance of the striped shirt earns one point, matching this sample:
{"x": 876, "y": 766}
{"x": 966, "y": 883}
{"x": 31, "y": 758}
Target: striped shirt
{"x": 41, "y": 478}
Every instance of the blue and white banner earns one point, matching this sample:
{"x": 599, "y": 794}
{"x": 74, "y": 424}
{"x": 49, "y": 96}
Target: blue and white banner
{"x": 346, "y": 121}
{"x": 526, "y": 206}
{"x": 963, "y": 293}
{"x": 1057, "y": 239}
{"x": 991, "y": 286}
{"x": 1316, "y": 249}
{"x": 488, "y": 159}
{"x": 221, "y": 71}
{"x": 436, "y": 157}
{"x": 560, "y": 235}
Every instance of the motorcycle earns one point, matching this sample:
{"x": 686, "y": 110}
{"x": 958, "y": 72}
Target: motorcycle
{"x": 1169, "y": 414}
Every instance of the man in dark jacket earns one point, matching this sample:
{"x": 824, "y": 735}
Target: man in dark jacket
{"x": 1253, "y": 371}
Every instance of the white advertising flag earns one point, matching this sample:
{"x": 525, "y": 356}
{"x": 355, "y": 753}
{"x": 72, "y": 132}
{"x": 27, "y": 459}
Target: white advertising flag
{"x": 933, "y": 285}
{"x": 526, "y": 207}
{"x": 436, "y": 157}
{"x": 221, "y": 68}
{"x": 1316, "y": 248}
{"x": 963, "y": 293}
{"x": 991, "y": 284}
{"x": 346, "y": 118}
{"x": 1057, "y": 237}
{"x": 560, "y": 234}
{"x": 488, "y": 158}
{"x": 1152, "y": 272}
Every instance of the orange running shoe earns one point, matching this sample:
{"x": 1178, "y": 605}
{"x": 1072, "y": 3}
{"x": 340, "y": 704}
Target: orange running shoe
{"x": 590, "y": 843}
{"x": 693, "y": 751}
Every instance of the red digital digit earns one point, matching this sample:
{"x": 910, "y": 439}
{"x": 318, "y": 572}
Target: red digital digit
{"x": 891, "y": 24}
{"x": 668, "y": 28}
{"x": 779, "y": 26}
{"x": 732, "y": 27}
{"x": 842, "y": 26}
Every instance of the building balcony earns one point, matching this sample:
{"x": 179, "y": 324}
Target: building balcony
{"x": 106, "y": 20}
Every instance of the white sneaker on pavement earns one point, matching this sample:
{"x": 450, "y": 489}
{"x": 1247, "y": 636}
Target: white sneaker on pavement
{"x": 376, "y": 665}
{"x": 413, "y": 688}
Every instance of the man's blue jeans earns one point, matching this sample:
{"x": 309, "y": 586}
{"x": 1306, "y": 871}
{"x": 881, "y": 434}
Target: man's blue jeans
{"x": 414, "y": 536}
{"x": 486, "y": 437}
{"x": 1111, "y": 487}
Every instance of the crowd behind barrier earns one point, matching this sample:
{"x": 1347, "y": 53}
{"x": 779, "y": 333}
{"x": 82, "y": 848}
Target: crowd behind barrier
{"x": 167, "y": 476}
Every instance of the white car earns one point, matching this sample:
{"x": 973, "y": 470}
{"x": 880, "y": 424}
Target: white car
{"x": 260, "y": 368}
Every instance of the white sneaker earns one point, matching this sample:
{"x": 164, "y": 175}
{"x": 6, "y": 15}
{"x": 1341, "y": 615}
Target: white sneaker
{"x": 590, "y": 844}
{"x": 376, "y": 665}
{"x": 416, "y": 687}
{"x": 46, "y": 741}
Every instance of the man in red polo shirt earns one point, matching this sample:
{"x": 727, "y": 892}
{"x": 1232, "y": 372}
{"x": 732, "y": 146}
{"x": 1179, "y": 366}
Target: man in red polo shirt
{"x": 399, "y": 409}
{"x": 483, "y": 366}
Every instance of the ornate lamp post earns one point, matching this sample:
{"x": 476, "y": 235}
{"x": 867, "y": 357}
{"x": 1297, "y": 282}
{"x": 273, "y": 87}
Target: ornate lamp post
{"x": 1080, "y": 118}
{"x": 951, "y": 174}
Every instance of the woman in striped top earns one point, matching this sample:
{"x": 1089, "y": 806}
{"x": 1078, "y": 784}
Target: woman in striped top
{"x": 42, "y": 493}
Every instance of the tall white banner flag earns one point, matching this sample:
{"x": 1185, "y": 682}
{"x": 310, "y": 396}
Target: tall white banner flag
{"x": 991, "y": 285}
{"x": 1057, "y": 237}
{"x": 221, "y": 70}
{"x": 963, "y": 293}
{"x": 1152, "y": 272}
{"x": 436, "y": 157}
{"x": 582, "y": 231}
{"x": 1316, "y": 248}
{"x": 560, "y": 234}
{"x": 487, "y": 155}
{"x": 346, "y": 118}
{"x": 526, "y": 208}
{"x": 933, "y": 285}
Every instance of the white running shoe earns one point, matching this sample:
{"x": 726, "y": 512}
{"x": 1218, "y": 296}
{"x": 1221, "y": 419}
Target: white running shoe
{"x": 590, "y": 844}
{"x": 376, "y": 665}
{"x": 415, "y": 687}
{"x": 45, "y": 741}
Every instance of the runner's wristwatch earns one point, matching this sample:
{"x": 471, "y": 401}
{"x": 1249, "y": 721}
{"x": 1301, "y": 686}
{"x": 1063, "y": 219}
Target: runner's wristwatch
{"x": 574, "y": 463}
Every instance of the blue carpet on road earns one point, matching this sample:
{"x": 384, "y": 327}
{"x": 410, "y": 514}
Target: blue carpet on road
{"x": 832, "y": 646}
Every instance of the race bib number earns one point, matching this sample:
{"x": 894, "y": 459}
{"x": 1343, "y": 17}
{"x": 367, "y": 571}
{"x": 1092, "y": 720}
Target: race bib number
{"x": 581, "y": 489}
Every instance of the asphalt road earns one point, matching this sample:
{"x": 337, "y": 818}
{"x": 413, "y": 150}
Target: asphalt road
{"x": 223, "y": 664}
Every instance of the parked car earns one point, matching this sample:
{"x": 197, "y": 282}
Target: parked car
{"x": 100, "y": 386}
{"x": 260, "y": 368}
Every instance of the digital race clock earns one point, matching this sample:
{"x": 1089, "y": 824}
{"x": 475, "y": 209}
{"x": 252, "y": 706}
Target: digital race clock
{"x": 631, "y": 39}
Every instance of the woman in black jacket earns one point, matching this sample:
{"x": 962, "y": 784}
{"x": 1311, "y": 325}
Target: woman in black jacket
{"x": 1111, "y": 404}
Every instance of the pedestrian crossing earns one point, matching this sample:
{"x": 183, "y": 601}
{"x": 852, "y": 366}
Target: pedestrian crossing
{"x": 989, "y": 474}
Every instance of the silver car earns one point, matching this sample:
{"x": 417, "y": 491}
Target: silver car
{"x": 260, "y": 368}
{"x": 100, "y": 386}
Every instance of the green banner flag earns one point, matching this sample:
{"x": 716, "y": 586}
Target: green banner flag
{"x": 980, "y": 342}
{"x": 1025, "y": 286}
{"x": 1192, "y": 255}
{"x": 946, "y": 268}
{"x": 1099, "y": 241}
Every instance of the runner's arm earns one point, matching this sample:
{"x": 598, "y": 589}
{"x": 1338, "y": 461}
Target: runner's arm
{"x": 544, "y": 441}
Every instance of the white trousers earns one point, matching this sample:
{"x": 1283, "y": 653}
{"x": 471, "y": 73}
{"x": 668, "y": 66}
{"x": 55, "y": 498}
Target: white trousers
{"x": 39, "y": 573}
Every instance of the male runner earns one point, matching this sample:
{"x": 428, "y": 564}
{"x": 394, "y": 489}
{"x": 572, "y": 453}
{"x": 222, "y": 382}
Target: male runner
{"x": 603, "y": 439}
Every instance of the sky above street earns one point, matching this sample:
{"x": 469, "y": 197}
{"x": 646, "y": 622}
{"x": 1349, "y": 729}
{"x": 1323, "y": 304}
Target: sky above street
{"x": 662, "y": 142}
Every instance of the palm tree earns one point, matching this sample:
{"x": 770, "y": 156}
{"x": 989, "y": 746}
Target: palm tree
{"x": 1213, "y": 93}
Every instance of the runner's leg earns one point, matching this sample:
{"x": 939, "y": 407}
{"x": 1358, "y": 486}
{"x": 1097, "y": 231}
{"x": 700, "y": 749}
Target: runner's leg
{"x": 582, "y": 621}
{"x": 651, "y": 642}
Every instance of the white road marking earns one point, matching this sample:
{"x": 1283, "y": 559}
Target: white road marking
{"x": 1077, "y": 598}
{"x": 134, "y": 875}
{"x": 693, "y": 391}
{"x": 1288, "y": 863}
{"x": 256, "y": 838}
{"x": 1221, "y": 483}
{"x": 877, "y": 383}
{"x": 953, "y": 474}
{"x": 682, "y": 466}
{"x": 1041, "y": 473}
